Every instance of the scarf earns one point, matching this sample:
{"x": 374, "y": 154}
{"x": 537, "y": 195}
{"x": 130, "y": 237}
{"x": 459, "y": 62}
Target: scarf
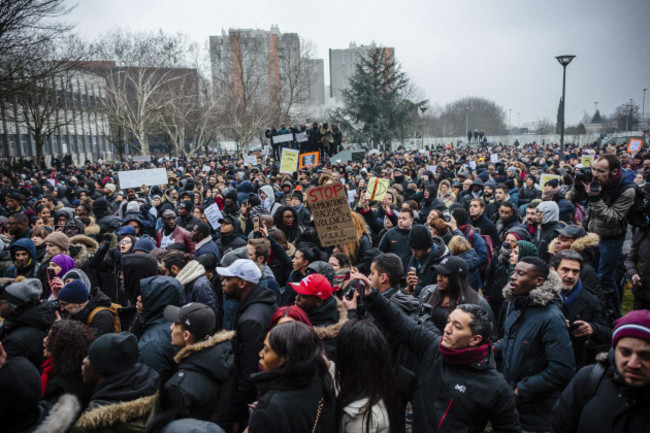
{"x": 570, "y": 297}
{"x": 466, "y": 356}
{"x": 48, "y": 373}
{"x": 504, "y": 253}
{"x": 613, "y": 181}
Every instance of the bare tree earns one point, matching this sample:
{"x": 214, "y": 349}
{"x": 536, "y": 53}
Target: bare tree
{"x": 481, "y": 114}
{"x": 139, "y": 69}
{"x": 545, "y": 126}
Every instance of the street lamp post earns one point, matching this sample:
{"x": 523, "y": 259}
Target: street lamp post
{"x": 643, "y": 109}
{"x": 627, "y": 115}
{"x": 564, "y": 61}
{"x": 467, "y": 123}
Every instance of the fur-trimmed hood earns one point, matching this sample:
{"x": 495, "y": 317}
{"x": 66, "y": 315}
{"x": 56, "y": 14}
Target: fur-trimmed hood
{"x": 590, "y": 240}
{"x": 542, "y": 295}
{"x": 62, "y": 415}
{"x": 98, "y": 417}
{"x": 87, "y": 242}
{"x": 217, "y": 338}
{"x": 332, "y": 331}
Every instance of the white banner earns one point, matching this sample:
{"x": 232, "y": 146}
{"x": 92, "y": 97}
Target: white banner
{"x": 301, "y": 137}
{"x": 137, "y": 178}
{"x": 282, "y": 138}
{"x": 250, "y": 159}
{"x": 213, "y": 214}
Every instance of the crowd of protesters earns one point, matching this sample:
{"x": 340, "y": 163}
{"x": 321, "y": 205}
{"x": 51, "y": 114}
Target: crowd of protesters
{"x": 478, "y": 294}
{"x": 322, "y": 138}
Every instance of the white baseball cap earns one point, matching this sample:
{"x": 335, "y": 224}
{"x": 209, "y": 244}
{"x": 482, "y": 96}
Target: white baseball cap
{"x": 242, "y": 268}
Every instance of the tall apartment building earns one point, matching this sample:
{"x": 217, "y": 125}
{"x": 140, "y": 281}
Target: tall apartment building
{"x": 255, "y": 62}
{"x": 314, "y": 71}
{"x": 343, "y": 65}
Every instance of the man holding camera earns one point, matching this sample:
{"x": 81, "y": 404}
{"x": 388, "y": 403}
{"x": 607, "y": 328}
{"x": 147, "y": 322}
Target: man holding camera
{"x": 610, "y": 194}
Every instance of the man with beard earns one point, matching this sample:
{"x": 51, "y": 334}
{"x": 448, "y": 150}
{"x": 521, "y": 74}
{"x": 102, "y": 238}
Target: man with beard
{"x": 23, "y": 256}
{"x": 185, "y": 218}
{"x": 18, "y": 224}
{"x": 256, "y": 306}
{"x": 508, "y": 219}
{"x": 531, "y": 219}
{"x": 204, "y": 243}
{"x": 171, "y": 233}
{"x": 581, "y": 308}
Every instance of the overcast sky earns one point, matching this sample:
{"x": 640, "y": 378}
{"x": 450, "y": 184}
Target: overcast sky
{"x": 502, "y": 50}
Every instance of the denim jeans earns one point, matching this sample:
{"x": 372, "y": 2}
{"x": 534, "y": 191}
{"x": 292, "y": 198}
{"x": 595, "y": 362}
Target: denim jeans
{"x": 610, "y": 253}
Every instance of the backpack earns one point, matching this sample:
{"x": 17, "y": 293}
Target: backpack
{"x": 639, "y": 213}
{"x": 117, "y": 326}
{"x": 488, "y": 245}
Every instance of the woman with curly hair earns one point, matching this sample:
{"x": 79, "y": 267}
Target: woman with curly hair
{"x": 359, "y": 250}
{"x": 64, "y": 347}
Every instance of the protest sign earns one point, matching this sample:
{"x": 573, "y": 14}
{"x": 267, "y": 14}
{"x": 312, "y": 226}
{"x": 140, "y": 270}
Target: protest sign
{"x": 634, "y": 146}
{"x": 494, "y": 158}
{"x": 472, "y": 165}
{"x": 587, "y": 160}
{"x": 301, "y": 137}
{"x": 351, "y": 194}
{"x": 206, "y": 168}
{"x": 213, "y": 215}
{"x": 309, "y": 159}
{"x": 432, "y": 168}
{"x": 545, "y": 178}
{"x": 331, "y": 212}
{"x": 289, "y": 160}
{"x": 137, "y": 178}
{"x": 377, "y": 188}
{"x": 250, "y": 159}
{"x": 282, "y": 138}
{"x": 53, "y": 182}
{"x": 141, "y": 158}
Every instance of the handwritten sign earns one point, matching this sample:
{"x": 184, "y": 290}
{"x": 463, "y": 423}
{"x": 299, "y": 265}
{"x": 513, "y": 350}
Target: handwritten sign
{"x": 329, "y": 208}
{"x": 351, "y": 195}
{"x": 587, "y": 160}
{"x": 309, "y": 159}
{"x": 301, "y": 137}
{"x": 377, "y": 188}
{"x": 472, "y": 165}
{"x": 141, "y": 158}
{"x": 213, "y": 215}
{"x": 634, "y": 146}
{"x": 494, "y": 158}
{"x": 250, "y": 159}
{"x": 206, "y": 168}
{"x": 282, "y": 138}
{"x": 289, "y": 160}
{"x": 546, "y": 177}
{"x": 137, "y": 178}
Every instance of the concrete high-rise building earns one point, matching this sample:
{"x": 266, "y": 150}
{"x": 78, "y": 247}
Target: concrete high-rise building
{"x": 256, "y": 63}
{"x": 314, "y": 81}
{"x": 343, "y": 65}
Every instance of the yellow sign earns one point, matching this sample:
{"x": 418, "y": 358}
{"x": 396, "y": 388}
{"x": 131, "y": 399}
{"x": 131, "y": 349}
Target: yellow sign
{"x": 377, "y": 188}
{"x": 587, "y": 160}
{"x": 546, "y": 177}
{"x": 289, "y": 161}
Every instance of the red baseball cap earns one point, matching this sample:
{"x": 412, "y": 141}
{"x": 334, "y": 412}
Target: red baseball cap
{"x": 314, "y": 285}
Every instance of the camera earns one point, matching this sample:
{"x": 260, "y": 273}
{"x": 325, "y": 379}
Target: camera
{"x": 584, "y": 174}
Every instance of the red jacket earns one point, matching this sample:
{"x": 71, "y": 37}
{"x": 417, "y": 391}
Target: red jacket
{"x": 179, "y": 235}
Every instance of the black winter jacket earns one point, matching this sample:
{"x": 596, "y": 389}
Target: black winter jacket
{"x": 466, "y": 397}
{"x": 396, "y": 241}
{"x": 102, "y": 320}
{"x": 253, "y": 319}
{"x": 203, "y": 385}
{"x": 425, "y": 271}
{"x": 289, "y": 403}
{"x": 23, "y": 331}
{"x": 601, "y": 402}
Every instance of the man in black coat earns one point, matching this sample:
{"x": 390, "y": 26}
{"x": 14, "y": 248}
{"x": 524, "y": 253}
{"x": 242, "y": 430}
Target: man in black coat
{"x": 459, "y": 366}
{"x": 612, "y": 396}
{"x": 587, "y": 326}
{"x": 479, "y": 220}
{"x": 256, "y": 306}
{"x": 314, "y": 296}
{"x": 426, "y": 253}
{"x": 94, "y": 311}
{"x": 26, "y": 320}
{"x": 396, "y": 239}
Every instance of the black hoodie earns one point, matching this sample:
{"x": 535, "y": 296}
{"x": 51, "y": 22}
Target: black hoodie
{"x": 23, "y": 331}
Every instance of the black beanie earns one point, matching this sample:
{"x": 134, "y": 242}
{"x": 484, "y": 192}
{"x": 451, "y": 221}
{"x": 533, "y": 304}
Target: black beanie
{"x": 420, "y": 238}
{"x": 113, "y": 353}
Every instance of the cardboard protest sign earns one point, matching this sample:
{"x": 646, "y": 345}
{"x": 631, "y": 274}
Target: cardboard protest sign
{"x": 137, "y": 178}
{"x": 377, "y": 188}
{"x": 213, "y": 215}
{"x": 587, "y": 160}
{"x": 634, "y": 146}
{"x": 546, "y": 177}
{"x": 282, "y": 138}
{"x": 308, "y": 159}
{"x": 331, "y": 212}
{"x": 289, "y": 160}
{"x": 301, "y": 137}
{"x": 250, "y": 159}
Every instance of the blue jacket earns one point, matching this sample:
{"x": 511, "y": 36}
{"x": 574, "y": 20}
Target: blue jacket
{"x": 28, "y": 245}
{"x": 535, "y": 353}
{"x": 210, "y": 247}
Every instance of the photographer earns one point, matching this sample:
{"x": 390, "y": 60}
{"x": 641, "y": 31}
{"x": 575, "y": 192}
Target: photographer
{"x": 610, "y": 193}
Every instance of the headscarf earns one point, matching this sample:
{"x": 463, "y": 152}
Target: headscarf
{"x": 65, "y": 262}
